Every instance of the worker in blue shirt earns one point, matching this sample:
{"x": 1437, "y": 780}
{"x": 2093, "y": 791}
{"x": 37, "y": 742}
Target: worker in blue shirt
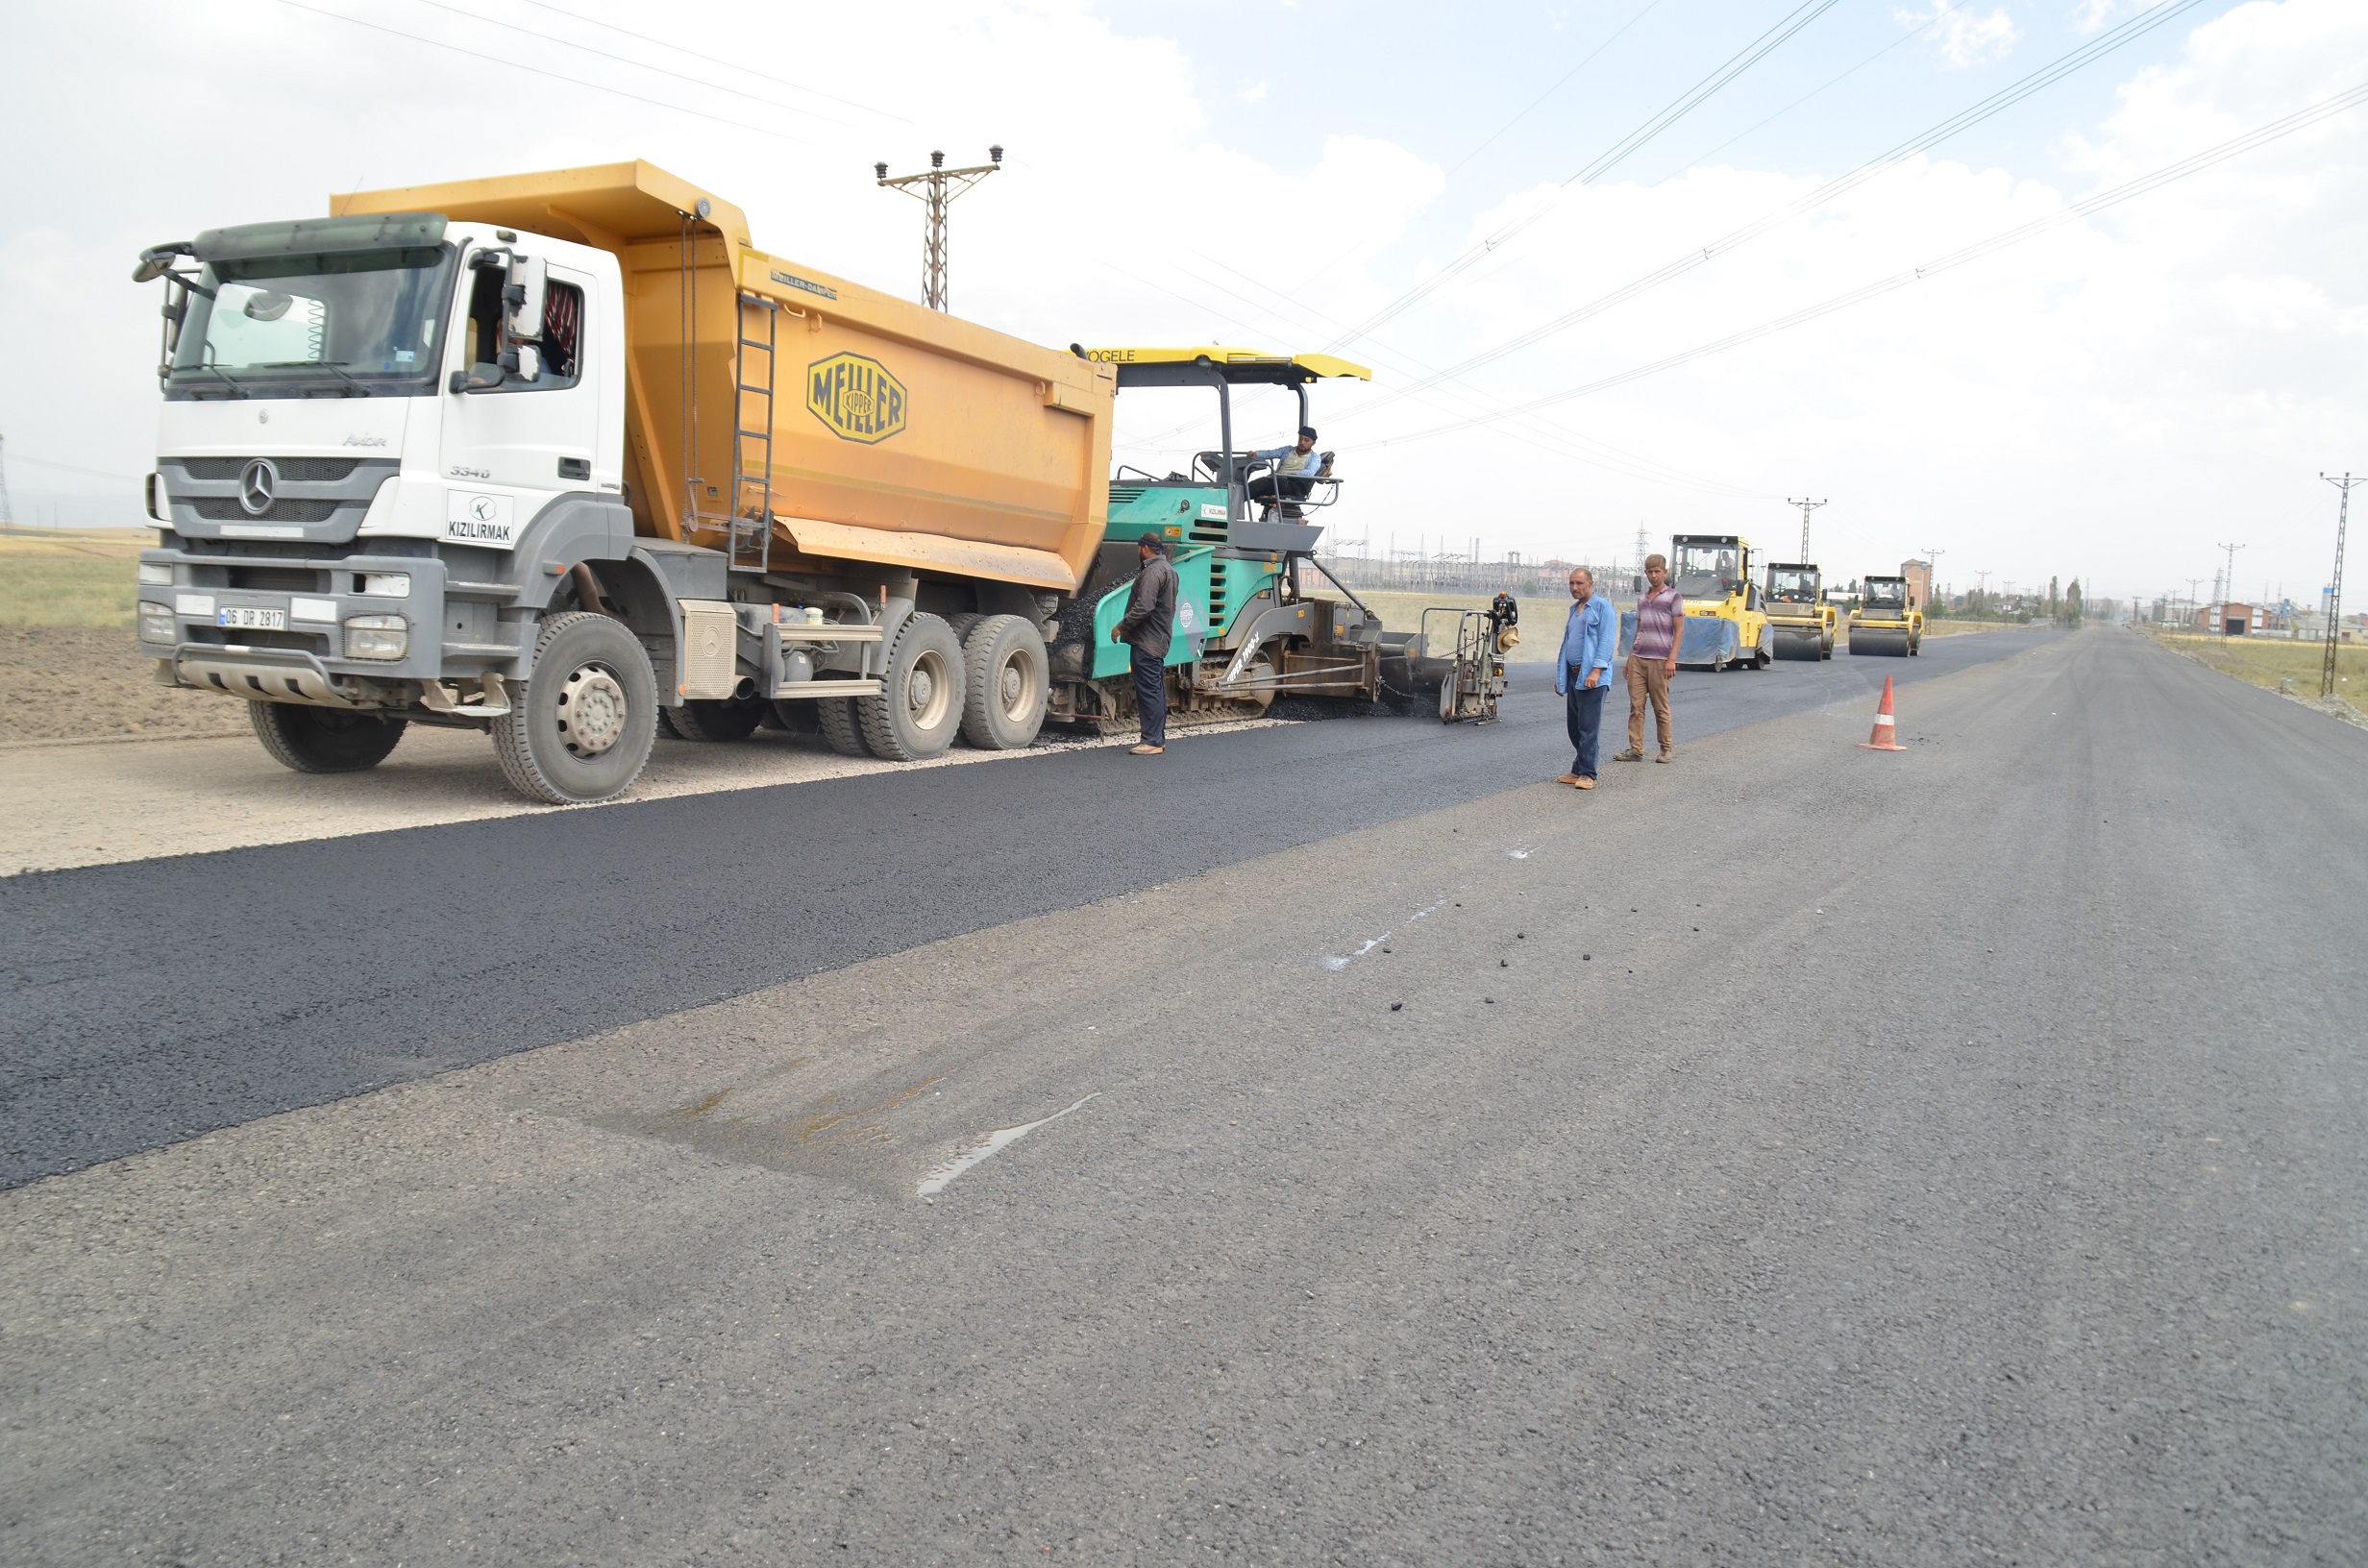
{"x": 1582, "y": 672}
{"x": 1296, "y": 469}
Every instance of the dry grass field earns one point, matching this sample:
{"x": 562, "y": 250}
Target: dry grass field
{"x": 2274, "y": 664}
{"x": 56, "y": 578}
{"x": 69, "y": 670}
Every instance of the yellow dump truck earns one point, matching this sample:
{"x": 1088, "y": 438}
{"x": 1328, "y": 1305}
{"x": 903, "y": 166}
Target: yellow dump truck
{"x": 1886, "y": 619}
{"x": 563, "y": 456}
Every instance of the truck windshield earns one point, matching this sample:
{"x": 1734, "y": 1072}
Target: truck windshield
{"x": 1885, "y": 595}
{"x": 1792, "y": 587}
{"x": 1708, "y": 569}
{"x": 361, "y": 322}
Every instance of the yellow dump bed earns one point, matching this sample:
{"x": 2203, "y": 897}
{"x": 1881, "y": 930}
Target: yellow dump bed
{"x": 898, "y": 435}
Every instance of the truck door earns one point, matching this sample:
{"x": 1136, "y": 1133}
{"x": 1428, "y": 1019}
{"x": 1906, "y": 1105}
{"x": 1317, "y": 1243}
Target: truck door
{"x": 510, "y": 443}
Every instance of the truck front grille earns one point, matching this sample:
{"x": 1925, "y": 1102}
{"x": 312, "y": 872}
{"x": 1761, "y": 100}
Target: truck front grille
{"x": 300, "y": 470}
{"x": 287, "y": 509}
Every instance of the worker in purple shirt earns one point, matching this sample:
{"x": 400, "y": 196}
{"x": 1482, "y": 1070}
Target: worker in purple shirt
{"x": 1652, "y": 659}
{"x": 1583, "y": 672}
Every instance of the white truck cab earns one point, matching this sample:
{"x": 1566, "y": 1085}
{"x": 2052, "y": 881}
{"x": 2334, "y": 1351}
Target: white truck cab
{"x": 390, "y": 471}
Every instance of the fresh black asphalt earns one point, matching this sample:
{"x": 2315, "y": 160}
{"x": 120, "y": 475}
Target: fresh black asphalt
{"x": 160, "y": 999}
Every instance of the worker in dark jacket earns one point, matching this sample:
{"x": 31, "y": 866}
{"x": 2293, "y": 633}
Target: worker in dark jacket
{"x": 1146, "y": 627}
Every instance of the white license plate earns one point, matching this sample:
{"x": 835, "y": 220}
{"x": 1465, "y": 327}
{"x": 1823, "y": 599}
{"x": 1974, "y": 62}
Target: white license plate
{"x": 244, "y": 617}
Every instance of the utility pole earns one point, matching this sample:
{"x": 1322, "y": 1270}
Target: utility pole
{"x": 2228, "y": 585}
{"x": 8, "y": 513}
{"x": 936, "y": 189}
{"x": 1807, "y": 508}
{"x": 2335, "y": 592}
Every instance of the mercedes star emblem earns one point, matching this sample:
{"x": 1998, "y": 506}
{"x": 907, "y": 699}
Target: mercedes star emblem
{"x": 258, "y": 487}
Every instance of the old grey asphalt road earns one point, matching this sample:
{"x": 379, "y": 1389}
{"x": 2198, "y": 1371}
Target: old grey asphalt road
{"x": 1796, "y": 1155}
{"x": 150, "y": 1001}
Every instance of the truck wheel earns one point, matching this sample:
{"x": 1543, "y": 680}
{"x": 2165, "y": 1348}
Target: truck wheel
{"x": 323, "y": 739}
{"x": 703, "y": 719}
{"x": 1009, "y": 681}
{"x": 921, "y": 712}
{"x": 583, "y": 730}
{"x": 842, "y": 731}
{"x": 962, "y": 624}
{"x": 666, "y": 725}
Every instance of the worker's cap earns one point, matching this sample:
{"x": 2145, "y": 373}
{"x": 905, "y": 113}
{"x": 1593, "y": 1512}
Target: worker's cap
{"x": 1154, "y": 541}
{"x": 1308, "y": 432}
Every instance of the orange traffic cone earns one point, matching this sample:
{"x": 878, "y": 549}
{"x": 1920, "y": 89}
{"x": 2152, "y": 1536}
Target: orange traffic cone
{"x": 1883, "y": 739}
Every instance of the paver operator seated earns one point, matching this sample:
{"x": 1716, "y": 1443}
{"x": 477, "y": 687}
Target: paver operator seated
{"x": 1296, "y": 469}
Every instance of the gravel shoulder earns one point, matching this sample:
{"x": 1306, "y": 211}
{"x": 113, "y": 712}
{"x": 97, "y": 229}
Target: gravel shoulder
{"x": 1570, "y": 1179}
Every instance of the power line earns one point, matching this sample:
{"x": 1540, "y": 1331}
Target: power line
{"x": 1487, "y": 141}
{"x": 1604, "y": 162}
{"x": 1997, "y": 103}
{"x": 706, "y": 84}
{"x": 718, "y": 60}
{"x": 509, "y": 64}
{"x": 2169, "y": 172}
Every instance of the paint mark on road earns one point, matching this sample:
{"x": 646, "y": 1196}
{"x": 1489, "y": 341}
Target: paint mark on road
{"x": 992, "y": 1144}
{"x": 1337, "y": 963}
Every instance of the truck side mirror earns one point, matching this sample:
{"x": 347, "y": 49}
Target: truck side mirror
{"x": 480, "y": 376}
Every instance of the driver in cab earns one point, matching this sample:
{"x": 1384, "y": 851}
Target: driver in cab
{"x": 1296, "y": 469}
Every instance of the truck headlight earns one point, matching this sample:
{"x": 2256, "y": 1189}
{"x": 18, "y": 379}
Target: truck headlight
{"x": 156, "y": 622}
{"x": 155, "y": 575}
{"x": 377, "y": 637}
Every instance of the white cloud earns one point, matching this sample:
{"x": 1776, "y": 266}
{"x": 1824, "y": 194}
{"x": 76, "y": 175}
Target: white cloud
{"x": 1251, "y": 92}
{"x": 1965, "y": 39}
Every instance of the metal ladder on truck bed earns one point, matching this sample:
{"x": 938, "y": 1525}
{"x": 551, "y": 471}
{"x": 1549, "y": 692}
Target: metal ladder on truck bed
{"x": 751, "y": 436}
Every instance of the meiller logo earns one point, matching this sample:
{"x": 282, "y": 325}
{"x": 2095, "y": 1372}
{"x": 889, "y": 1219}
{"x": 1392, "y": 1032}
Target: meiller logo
{"x": 855, "y": 396}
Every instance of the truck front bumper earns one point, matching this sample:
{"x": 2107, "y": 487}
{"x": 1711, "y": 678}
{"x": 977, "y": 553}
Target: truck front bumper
{"x": 218, "y": 628}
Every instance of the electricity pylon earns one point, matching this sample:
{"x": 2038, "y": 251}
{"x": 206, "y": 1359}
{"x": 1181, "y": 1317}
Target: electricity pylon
{"x": 936, "y": 189}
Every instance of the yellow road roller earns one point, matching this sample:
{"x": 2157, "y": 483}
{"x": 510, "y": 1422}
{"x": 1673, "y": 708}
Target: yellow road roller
{"x": 1798, "y": 611}
{"x": 1887, "y": 619}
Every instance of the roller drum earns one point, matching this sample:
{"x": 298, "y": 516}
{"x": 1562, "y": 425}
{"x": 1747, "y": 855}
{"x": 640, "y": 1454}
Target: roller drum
{"x": 1878, "y": 640}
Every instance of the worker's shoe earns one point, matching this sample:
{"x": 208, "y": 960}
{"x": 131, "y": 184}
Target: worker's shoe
{"x": 1665, "y": 756}
{"x": 1147, "y": 751}
{"x": 1585, "y": 783}
{"x": 1571, "y": 780}
{"x": 1632, "y": 754}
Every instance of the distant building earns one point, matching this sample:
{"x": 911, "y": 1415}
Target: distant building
{"x": 1919, "y": 575}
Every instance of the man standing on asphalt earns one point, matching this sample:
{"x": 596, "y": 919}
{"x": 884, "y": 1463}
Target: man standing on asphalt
{"x": 1652, "y": 659}
{"x": 1583, "y": 669}
{"x": 1146, "y": 627}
